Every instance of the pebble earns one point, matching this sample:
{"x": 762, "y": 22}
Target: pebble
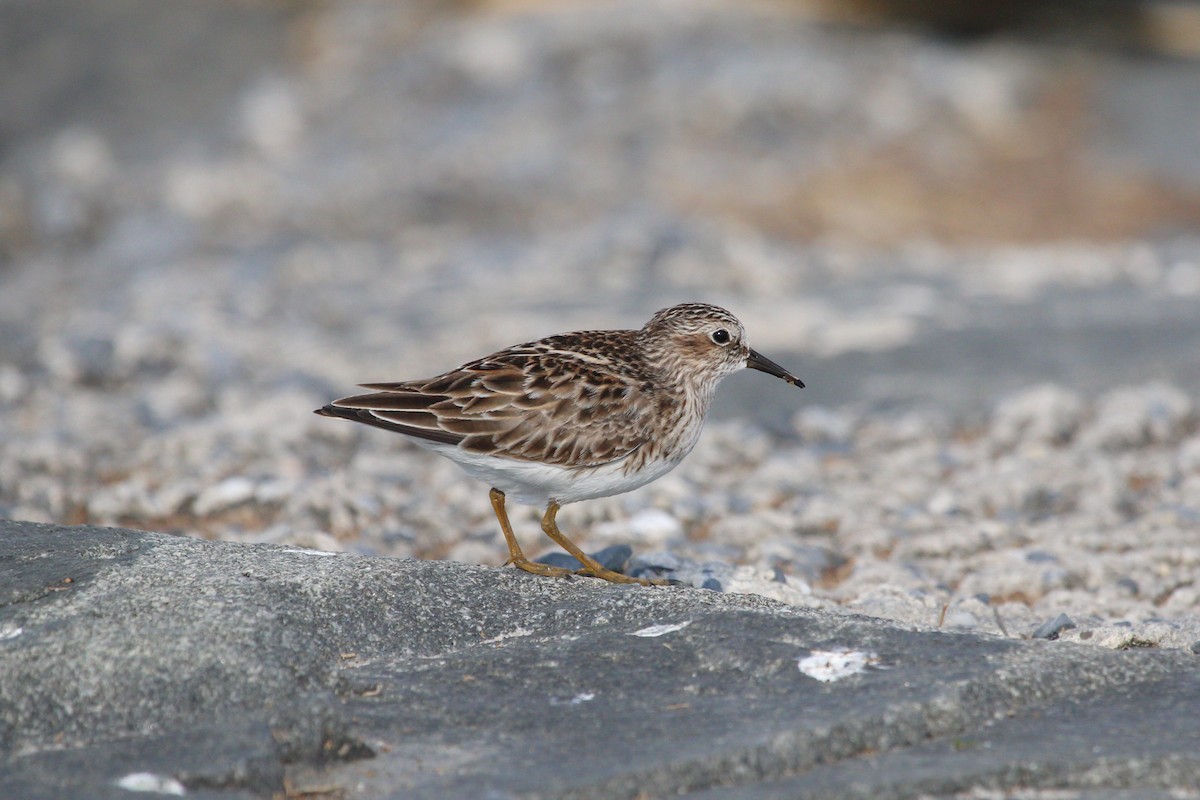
{"x": 1050, "y": 629}
{"x": 1044, "y": 413}
{"x": 653, "y": 565}
{"x": 79, "y": 358}
{"x": 961, "y": 619}
{"x": 813, "y": 562}
{"x": 12, "y": 384}
{"x": 229, "y": 492}
{"x": 615, "y": 557}
{"x": 1129, "y": 585}
{"x": 1139, "y": 415}
{"x": 652, "y": 527}
{"x": 942, "y": 502}
{"x": 1189, "y": 455}
{"x": 151, "y": 783}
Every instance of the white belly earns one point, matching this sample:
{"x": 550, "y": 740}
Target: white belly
{"x": 536, "y": 484}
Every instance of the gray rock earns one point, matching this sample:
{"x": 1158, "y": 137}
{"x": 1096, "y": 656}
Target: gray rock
{"x": 231, "y": 669}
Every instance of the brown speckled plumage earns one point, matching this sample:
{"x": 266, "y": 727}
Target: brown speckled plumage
{"x": 578, "y": 400}
{"x": 588, "y": 414}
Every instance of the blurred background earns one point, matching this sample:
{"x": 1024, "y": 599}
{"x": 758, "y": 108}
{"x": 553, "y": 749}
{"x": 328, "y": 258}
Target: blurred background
{"x": 216, "y": 216}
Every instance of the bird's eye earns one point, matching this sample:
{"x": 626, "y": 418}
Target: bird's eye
{"x": 720, "y": 336}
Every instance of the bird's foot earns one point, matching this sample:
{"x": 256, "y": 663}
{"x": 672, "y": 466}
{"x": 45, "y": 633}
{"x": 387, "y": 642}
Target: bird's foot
{"x": 537, "y": 568}
{"x": 540, "y": 569}
{"x": 616, "y": 577}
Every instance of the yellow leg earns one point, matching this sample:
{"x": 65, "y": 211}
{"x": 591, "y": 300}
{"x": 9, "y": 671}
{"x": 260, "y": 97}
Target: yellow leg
{"x": 590, "y": 565}
{"x": 515, "y": 556}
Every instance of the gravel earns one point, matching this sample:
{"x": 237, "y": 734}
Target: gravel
{"x": 906, "y": 514}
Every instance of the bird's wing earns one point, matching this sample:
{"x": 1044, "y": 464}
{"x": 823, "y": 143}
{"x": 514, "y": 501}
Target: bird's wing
{"x": 532, "y": 403}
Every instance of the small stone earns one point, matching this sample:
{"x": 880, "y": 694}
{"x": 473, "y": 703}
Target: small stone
{"x": 943, "y": 502}
{"x": 1188, "y": 458}
{"x": 1045, "y": 413}
{"x": 746, "y": 579}
{"x": 226, "y": 494}
{"x": 740, "y": 504}
{"x": 271, "y": 118}
{"x": 654, "y": 565}
{"x": 82, "y": 157}
{"x": 651, "y": 527}
{"x": 654, "y": 526}
{"x": 1139, "y": 415}
{"x": 747, "y": 530}
{"x": 1195, "y": 648}
{"x": 151, "y": 783}
{"x": 1052, "y": 628}
{"x": 1040, "y": 502}
{"x": 615, "y": 557}
{"x": 85, "y": 360}
{"x": 471, "y": 551}
{"x": 12, "y": 384}
{"x": 713, "y": 575}
{"x": 961, "y": 619}
{"x": 814, "y": 562}
{"x": 1130, "y": 585}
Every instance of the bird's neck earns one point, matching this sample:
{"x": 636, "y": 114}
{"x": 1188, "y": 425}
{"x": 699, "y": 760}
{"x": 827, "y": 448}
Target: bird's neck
{"x": 689, "y": 389}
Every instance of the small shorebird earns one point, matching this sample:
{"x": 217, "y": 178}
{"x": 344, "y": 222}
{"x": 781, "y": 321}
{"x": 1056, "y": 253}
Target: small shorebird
{"x": 571, "y": 417}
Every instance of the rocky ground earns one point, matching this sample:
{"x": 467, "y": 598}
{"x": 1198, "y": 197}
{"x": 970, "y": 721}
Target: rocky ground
{"x": 979, "y": 252}
{"x": 140, "y": 662}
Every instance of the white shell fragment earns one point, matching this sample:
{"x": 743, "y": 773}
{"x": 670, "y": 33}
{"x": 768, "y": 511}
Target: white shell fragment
{"x": 828, "y": 666}
{"x": 226, "y": 494}
{"x": 150, "y": 782}
{"x": 514, "y": 634}
{"x": 661, "y": 630}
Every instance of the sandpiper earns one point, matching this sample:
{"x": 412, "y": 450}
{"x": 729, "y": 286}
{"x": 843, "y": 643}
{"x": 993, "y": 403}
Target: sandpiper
{"x": 571, "y": 417}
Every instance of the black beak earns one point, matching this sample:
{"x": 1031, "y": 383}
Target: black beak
{"x": 760, "y": 362}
